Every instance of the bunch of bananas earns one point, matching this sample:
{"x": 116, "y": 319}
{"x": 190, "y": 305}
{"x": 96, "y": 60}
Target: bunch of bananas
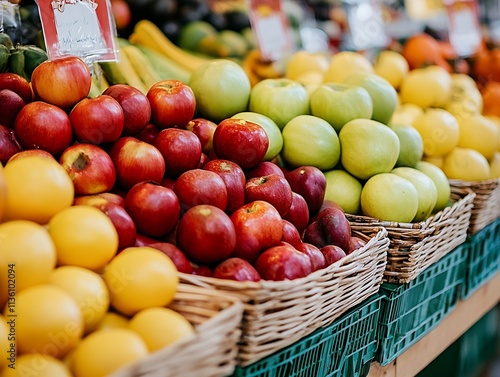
{"x": 257, "y": 69}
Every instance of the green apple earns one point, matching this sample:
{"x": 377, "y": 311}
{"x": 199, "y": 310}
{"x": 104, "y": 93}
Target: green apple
{"x": 340, "y": 103}
{"x": 309, "y": 140}
{"x": 343, "y": 189}
{"x": 272, "y": 130}
{"x": 411, "y": 148}
{"x": 279, "y": 99}
{"x": 441, "y": 182}
{"x": 384, "y": 96}
{"x": 221, "y": 88}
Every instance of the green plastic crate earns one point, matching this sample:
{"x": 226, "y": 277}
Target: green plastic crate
{"x": 345, "y": 348}
{"x": 484, "y": 258}
{"x": 410, "y": 311}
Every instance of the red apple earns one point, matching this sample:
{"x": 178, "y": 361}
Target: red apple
{"x": 290, "y": 234}
{"x": 330, "y": 228}
{"x": 263, "y": 169}
{"x": 89, "y": 167}
{"x": 355, "y": 244}
{"x": 283, "y": 263}
{"x": 148, "y": 134}
{"x": 124, "y": 225}
{"x": 155, "y": 209}
{"x": 136, "y": 161}
{"x": 9, "y": 146}
{"x": 201, "y": 270}
{"x": 199, "y": 186}
{"x": 317, "y": 258}
{"x": 203, "y": 161}
{"x": 181, "y": 150}
{"x": 332, "y": 253}
{"x": 99, "y": 199}
{"x": 298, "y": 214}
{"x": 62, "y": 82}
{"x": 176, "y": 255}
{"x": 135, "y": 106}
{"x": 168, "y": 183}
{"x": 258, "y": 227}
{"x": 172, "y": 103}
{"x": 97, "y": 120}
{"x": 40, "y": 125}
{"x": 122, "y": 14}
{"x": 12, "y": 104}
{"x": 17, "y": 84}
{"x": 234, "y": 179}
{"x": 142, "y": 240}
{"x": 236, "y": 269}
{"x": 240, "y": 141}
{"x": 204, "y": 129}
{"x": 310, "y": 182}
{"x": 31, "y": 152}
{"x": 272, "y": 188}
{"x": 206, "y": 234}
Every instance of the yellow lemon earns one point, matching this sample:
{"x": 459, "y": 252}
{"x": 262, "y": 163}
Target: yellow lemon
{"x": 495, "y": 165}
{"x": 34, "y": 364}
{"x": 466, "y": 164}
{"x": 405, "y": 114}
{"x": 496, "y": 120}
{"x": 346, "y": 63}
{"x": 304, "y": 62}
{"x": 426, "y": 87}
{"x": 112, "y": 320}
{"x": 392, "y": 66}
{"x": 478, "y": 133}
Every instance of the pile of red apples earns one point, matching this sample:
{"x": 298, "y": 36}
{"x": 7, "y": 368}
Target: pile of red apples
{"x": 198, "y": 191}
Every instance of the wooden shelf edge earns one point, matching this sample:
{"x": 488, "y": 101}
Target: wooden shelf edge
{"x": 466, "y": 313}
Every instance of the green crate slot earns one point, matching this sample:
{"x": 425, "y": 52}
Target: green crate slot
{"x": 484, "y": 258}
{"x": 345, "y": 348}
{"x": 410, "y": 311}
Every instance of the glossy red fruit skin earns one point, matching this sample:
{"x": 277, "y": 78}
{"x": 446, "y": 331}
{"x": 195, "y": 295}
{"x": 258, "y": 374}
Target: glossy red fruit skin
{"x": 355, "y": 244}
{"x": 236, "y": 269}
{"x": 9, "y": 145}
{"x": 272, "y": 188}
{"x": 332, "y": 253}
{"x": 310, "y": 182}
{"x": 317, "y": 258}
{"x": 176, "y": 255}
{"x": 12, "y": 103}
{"x": 290, "y": 233}
{"x": 298, "y": 214}
{"x": 283, "y": 263}
{"x": 124, "y": 225}
{"x": 204, "y": 129}
{"x": 17, "y": 84}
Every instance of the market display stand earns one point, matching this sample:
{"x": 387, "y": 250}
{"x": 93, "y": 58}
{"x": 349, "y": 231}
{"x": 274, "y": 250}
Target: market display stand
{"x": 466, "y": 314}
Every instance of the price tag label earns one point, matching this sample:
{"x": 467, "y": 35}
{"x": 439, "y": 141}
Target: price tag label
{"x": 270, "y": 25}
{"x": 83, "y": 28}
{"x": 464, "y": 30}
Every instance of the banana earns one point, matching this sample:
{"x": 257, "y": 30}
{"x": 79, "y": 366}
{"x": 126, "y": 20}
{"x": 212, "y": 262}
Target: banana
{"x": 141, "y": 65}
{"x": 164, "y": 67}
{"x": 148, "y": 34}
{"x": 248, "y": 68}
{"x": 95, "y": 90}
{"x": 122, "y": 72}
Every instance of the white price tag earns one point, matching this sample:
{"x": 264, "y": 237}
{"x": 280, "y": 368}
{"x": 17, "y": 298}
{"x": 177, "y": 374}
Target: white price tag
{"x": 464, "y": 29}
{"x": 366, "y": 25}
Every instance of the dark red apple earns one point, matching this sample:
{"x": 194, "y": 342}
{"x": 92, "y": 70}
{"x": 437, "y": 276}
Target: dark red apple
{"x": 332, "y": 253}
{"x": 330, "y": 228}
{"x": 181, "y": 150}
{"x": 89, "y": 167}
{"x": 355, "y": 244}
{"x": 258, "y": 227}
{"x": 240, "y": 141}
{"x": 168, "y": 183}
{"x": 173, "y": 252}
{"x": 272, "y": 188}
{"x": 9, "y": 146}
{"x": 42, "y": 126}
{"x": 31, "y": 152}
{"x": 99, "y": 199}
{"x": 136, "y": 161}
{"x": 283, "y": 263}
{"x": 204, "y": 129}
{"x": 17, "y": 84}
{"x": 155, "y": 209}
{"x": 124, "y": 225}
{"x": 201, "y": 270}
{"x": 263, "y": 169}
{"x": 317, "y": 258}
{"x": 206, "y": 234}
{"x": 326, "y": 204}
{"x": 236, "y": 269}
{"x": 12, "y": 104}
{"x": 135, "y": 106}
{"x": 310, "y": 182}
{"x": 298, "y": 214}
{"x": 234, "y": 179}
{"x": 290, "y": 233}
{"x": 142, "y": 240}
{"x": 148, "y": 134}
{"x": 203, "y": 161}
{"x": 172, "y": 103}
{"x": 199, "y": 186}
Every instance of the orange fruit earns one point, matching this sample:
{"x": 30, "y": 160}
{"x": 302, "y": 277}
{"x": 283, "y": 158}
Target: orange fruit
{"x": 491, "y": 98}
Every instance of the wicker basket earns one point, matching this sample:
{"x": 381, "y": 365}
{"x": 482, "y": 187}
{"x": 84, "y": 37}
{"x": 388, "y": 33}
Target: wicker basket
{"x": 486, "y": 203}
{"x": 211, "y": 352}
{"x": 415, "y": 246}
{"x": 277, "y": 314}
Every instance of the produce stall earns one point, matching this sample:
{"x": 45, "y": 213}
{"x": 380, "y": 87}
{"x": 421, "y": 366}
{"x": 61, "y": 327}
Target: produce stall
{"x": 248, "y": 188}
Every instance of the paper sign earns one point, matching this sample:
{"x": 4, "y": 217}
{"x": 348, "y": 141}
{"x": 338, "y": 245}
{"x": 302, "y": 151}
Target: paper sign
{"x": 270, "y": 25}
{"x": 464, "y": 26}
{"x": 82, "y": 28}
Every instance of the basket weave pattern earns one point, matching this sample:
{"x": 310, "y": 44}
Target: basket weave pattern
{"x": 416, "y": 246}
{"x": 211, "y": 352}
{"x": 277, "y": 314}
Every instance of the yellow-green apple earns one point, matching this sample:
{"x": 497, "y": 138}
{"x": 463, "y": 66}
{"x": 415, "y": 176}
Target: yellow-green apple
{"x": 198, "y": 186}
{"x": 40, "y": 125}
{"x": 181, "y": 150}
{"x": 343, "y": 189}
{"x": 317, "y": 258}
{"x": 384, "y": 96}
{"x": 148, "y": 134}
{"x": 411, "y": 145}
{"x": 280, "y": 99}
{"x": 31, "y": 152}
{"x": 258, "y": 226}
{"x": 236, "y": 269}
{"x": 9, "y": 146}
{"x": 123, "y": 223}
{"x": 172, "y": 103}
{"x": 264, "y": 168}
{"x": 283, "y": 263}
{"x": 272, "y": 188}
{"x": 135, "y": 106}
{"x": 204, "y": 129}
{"x": 290, "y": 233}
{"x": 298, "y": 214}
{"x": 12, "y": 104}
{"x": 331, "y": 227}
{"x": 332, "y": 253}
{"x": 176, "y": 255}
{"x": 155, "y": 209}
{"x": 240, "y": 141}
{"x": 309, "y": 140}
{"x": 234, "y": 179}
{"x": 89, "y": 167}
{"x": 310, "y": 183}
{"x": 206, "y": 234}
{"x": 221, "y": 88}
{"x": 339, "y": 103}
{"x": 97, "y": 120}
{"x": 272, "y": 130}
{"x": 17, "y": 84}
{"x": 136, "y": 161}
{"x": 355, "y": 244}
{"x": 346, "y": 63}
{"x": 100, "y": 198}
